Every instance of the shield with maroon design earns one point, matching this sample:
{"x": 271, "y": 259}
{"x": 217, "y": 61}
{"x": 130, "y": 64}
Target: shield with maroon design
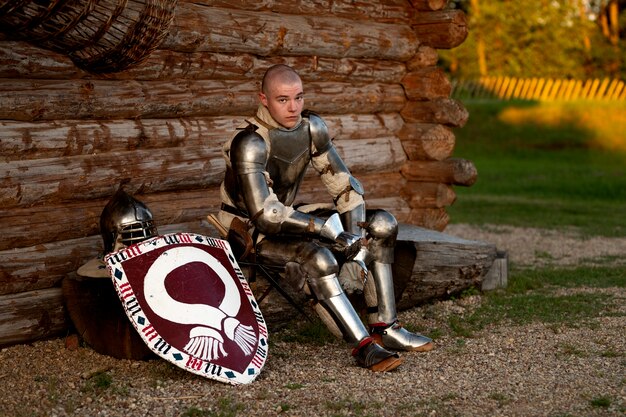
{"x": 191, "y": 304}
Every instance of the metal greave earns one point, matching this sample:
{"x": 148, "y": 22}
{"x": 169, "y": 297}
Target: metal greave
{"x": 384, "y": 298}
{"x": 332, "y": 298}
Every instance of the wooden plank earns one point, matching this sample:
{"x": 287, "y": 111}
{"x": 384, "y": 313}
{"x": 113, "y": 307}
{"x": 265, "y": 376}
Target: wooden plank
{"x": 201, "y": 28}
{"x": 372, "y": 155}
{"x": 31, "y": 316}
{"x": 47, "y": 221}
{"x": 443, "y": 29}
{"x": 23, "y": 60}
{"x": 445, "y": 111}
{"x": 32, "y": 100}
{"x": 455, "y": 171}
{"x": 427, "y": 141}
{"x": 602, "y": 89}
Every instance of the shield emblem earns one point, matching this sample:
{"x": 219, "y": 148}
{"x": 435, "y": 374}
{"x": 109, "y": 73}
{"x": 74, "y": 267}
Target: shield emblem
{"x": 191, "y": 304}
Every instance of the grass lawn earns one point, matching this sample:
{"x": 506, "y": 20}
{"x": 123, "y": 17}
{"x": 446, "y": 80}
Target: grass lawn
{"x": 547, "y": 165}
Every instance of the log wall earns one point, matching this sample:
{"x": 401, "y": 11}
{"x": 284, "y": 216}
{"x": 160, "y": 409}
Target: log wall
{"x": 69, "y": 138}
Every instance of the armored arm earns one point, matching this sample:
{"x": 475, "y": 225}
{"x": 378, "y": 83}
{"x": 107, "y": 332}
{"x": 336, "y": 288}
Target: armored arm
{"x": 346, "y": 190}
{"x": 248, "y": 155}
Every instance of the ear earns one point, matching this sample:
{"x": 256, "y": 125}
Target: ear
{"x": 263, "y": 99}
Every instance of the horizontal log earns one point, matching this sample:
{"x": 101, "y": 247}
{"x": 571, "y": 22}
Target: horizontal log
{"x": 28, "y": 226}
{"x": 201, "y": 28}
{"x": 429, "y": 194}
{"x": 387, "y": 10}
{"x": 425, "y": 56}
{"x": 444, "y": 265}
{"x": 31, "y": 100}
{"x": 44, "y": 265}
{"x": 444, "y": 111}
{"x": 376, "y": 187}
{"x": 429, "y": 4}
{"x": 52, "y": 139}
{"x": 31, "y": 316}
{"x": 23, "y": 60}
{"x": 443, "y": 29}
{"x": 71, "y": 179}
{"x": 25, "y": 183}
{"x": 454, "y": 171}
{"x": 372, "y": 155}
{"x": 426, "y": 84}
{"x": 426, "y": 141}
{"x": 20, "y": 59}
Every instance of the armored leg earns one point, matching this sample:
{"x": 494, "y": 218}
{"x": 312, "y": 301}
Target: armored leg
{"x": 320, "y": 268}
{"x": 379, "y": 295}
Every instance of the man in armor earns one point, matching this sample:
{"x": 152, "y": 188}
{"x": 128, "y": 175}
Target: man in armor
{"x": 266, "y": 162}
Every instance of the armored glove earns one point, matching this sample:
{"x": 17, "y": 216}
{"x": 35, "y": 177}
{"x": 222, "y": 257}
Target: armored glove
{"x": 347, "y": 244}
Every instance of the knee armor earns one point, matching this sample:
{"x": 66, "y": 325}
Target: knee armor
{"x": 319, "y": 264}
{"x": 382, "y": 228}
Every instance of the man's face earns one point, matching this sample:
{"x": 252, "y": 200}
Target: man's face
{"x": 284, "y": 101}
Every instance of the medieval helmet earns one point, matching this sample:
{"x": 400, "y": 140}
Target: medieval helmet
{"x": 124, "y": 221}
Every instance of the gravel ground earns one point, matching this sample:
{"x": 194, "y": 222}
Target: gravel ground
{"x": 505, "y": 370}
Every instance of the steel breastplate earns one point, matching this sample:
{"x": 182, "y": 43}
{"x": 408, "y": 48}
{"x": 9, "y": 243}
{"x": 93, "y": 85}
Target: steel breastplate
{"x": 289, "y": 158}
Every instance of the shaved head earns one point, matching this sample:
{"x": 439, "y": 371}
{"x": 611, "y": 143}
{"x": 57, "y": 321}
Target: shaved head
{"x": 280, "y": 73}
{"x": 282, "y": 95}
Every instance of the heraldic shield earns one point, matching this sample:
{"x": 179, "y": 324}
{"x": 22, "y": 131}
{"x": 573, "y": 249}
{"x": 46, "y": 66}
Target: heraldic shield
{"x": 191, "y": 304}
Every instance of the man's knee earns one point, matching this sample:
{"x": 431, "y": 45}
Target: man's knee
{"x": 321, "y": 268}
{"x": 382, "y": 225}
{"x": 317, "y": 261}
{"x": 382, "y": 228}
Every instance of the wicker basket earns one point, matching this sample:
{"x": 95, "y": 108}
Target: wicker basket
{"x": 99, "y": 35}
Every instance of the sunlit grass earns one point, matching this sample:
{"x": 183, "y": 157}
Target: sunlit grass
{"x": 603, "y": 122}
{"x": 541, "y": 165}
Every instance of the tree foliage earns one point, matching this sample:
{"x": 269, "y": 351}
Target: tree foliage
{"x": 541, "y": 38}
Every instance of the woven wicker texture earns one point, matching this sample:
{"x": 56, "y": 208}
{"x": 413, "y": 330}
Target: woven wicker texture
{"x": 98, "y": 35}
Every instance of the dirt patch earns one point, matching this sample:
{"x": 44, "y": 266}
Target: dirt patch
{"x": 531, "y": 247}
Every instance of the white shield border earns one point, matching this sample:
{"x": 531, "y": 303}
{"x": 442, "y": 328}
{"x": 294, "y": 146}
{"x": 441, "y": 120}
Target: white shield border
{"x": 154, "y": 341}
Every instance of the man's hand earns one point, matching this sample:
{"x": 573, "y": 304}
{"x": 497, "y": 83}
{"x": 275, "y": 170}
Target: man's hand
{"x": 347, "y": 244}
